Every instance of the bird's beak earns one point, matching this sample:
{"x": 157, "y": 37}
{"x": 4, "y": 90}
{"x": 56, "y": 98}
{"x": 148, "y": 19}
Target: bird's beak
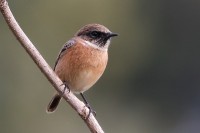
{"x": 112, "y": 34}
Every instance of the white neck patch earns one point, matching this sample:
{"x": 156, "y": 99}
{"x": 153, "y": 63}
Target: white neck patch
{"x": 87, "y": 43}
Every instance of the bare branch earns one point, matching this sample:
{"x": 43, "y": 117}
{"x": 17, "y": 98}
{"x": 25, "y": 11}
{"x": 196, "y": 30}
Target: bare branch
{"x": 75, "y": 103}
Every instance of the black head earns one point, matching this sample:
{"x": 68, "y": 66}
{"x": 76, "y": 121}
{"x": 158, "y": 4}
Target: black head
{"x": 96, "y": 34}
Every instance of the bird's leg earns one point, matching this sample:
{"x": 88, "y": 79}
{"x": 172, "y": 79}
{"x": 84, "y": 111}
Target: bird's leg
{"x": 88, "y": 105}
{"x": 65, "y": 87}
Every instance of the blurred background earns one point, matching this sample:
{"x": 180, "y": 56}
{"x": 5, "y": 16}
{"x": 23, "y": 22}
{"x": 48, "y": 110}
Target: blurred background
{"x": 152, "y": 81}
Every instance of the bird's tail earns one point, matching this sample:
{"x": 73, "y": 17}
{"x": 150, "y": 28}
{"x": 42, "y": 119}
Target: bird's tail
{"x": 53, "y": 104}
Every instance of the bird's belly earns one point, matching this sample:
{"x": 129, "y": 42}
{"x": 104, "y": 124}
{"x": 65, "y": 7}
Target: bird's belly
{"x": 84, "y": 80}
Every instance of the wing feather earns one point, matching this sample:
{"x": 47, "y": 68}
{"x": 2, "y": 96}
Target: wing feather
{"x": 66, "y": 46}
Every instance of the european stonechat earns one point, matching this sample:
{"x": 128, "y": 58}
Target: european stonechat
{"x": 82, "y": 60}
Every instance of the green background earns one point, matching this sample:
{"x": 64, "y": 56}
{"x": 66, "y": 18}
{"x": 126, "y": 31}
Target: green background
{"x": 151, "y": 84}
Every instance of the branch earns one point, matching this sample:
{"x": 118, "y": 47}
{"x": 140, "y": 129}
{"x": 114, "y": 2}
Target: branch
{"x": 75, "y": 103}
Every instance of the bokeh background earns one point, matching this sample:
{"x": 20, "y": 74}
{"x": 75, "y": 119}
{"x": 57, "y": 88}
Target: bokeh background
{"x": 152, "y": 81}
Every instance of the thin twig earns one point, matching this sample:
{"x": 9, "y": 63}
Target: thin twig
{"x": 75, "y": 103}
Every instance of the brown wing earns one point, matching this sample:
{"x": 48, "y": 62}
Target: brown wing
{"x": 66, "y": 46}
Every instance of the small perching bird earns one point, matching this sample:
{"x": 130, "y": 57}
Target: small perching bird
{"x": 82, "y": 61}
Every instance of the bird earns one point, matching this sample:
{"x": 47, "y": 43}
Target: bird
{"x": 82, "y": 61}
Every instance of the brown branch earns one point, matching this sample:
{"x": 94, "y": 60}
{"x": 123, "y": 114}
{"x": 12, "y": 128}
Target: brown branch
{"x": 75, "y": 103}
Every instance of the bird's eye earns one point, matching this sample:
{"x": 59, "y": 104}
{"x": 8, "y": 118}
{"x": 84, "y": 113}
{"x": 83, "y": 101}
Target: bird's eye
{"x": 95, "y": 34}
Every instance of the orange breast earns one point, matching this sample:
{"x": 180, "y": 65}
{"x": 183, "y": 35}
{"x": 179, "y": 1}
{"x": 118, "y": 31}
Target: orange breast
{"x": 81, "y": 66}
